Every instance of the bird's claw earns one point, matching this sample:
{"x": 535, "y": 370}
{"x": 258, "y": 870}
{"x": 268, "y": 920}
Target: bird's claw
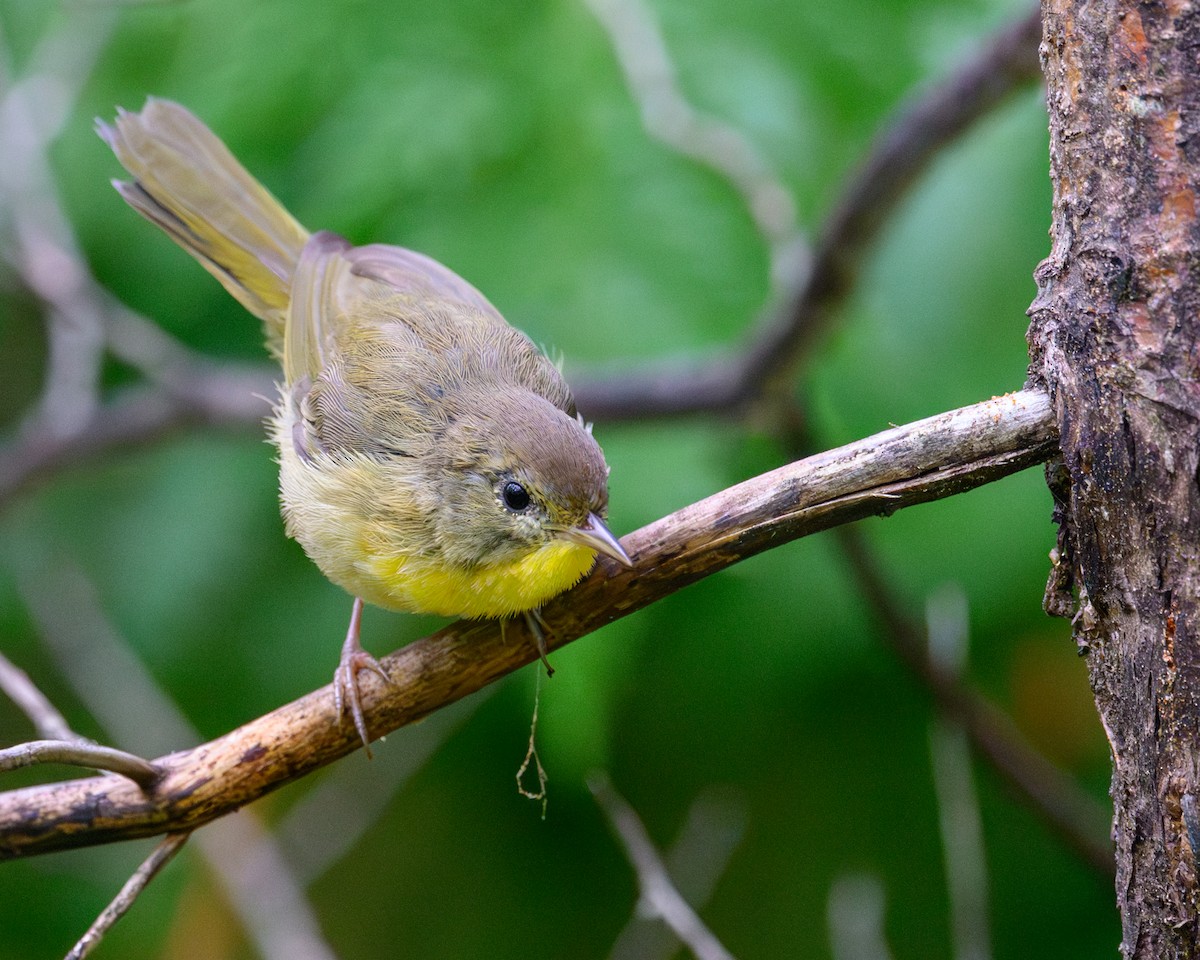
{"x": 345, "y": 688}
{"x": 345, "y": 678}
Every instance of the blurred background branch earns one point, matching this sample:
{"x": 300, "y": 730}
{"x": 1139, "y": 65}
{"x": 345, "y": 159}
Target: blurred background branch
{"x": 239, "y": 851}
{"x": 713, "y": 830}
{"x": 1078, "y": 817}
{"x": 667, "y": 115}
{"x": 658, "y": 896}
{"x": 911, "y": 139}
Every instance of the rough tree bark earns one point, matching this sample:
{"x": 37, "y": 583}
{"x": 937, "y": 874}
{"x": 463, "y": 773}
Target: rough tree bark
{"x": 1114, "y": 341}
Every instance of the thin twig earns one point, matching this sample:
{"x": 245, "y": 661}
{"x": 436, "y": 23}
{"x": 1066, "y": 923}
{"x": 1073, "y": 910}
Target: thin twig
{"x": 669, "y": 117}
{"x": 159, "y": 858}
{"x": 658, "y": 893}
{"x": 954, "y": 786}
{"x": 229, "y": 396}
{"x": 855, "y": 913}
{"x": 1076, "y": 817}
{"x": 922, "y": 461}
{"x": 123, "y": 696}
{"x": 531, "y": 758}
{"x": 903, "y": 151}
{"x": 713, "y": 830}
{"x": 22, "y": 691}
{"x": 79, "y": 754}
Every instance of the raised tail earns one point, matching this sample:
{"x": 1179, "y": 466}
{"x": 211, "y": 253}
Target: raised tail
{"x": 188, "y": 183}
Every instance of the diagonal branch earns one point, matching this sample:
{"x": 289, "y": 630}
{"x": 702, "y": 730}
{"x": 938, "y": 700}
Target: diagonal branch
{"x": 923, "y": 461}
{"x": 49, "y": 723}
{"x": 658, "y": 891}
{"x": 696, "y": 861}
{"x": 668, "y": 117}
{"x": 159, "y": 857}
{"x": 241, "y": 852}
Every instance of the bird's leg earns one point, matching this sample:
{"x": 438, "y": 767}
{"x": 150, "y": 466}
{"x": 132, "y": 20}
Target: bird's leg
{"x": 533, "y": 619}
{"x": 345, "y": 677}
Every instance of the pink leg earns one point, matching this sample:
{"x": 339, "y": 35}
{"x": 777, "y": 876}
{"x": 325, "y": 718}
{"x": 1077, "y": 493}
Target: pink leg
{"x": 345, "y": 677}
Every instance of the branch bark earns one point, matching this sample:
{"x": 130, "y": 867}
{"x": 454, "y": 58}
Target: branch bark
{"x": 922, "y": 461}
{"x": 1114, "y": 334}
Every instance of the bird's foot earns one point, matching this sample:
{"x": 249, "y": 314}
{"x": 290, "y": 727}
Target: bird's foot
{"x": 345, "y": 678}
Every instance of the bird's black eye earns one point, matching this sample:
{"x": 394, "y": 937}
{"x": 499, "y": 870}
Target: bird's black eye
{"x": 515, "y": 496}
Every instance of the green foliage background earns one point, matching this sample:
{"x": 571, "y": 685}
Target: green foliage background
{"x": 500, "y": 139}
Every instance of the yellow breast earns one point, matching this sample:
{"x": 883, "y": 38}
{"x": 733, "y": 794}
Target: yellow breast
{"x": 493, "y": 590}
{"x": 333, "y": 513}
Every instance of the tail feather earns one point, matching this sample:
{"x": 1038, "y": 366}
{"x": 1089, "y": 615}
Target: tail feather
{"x": 188, "y": 183}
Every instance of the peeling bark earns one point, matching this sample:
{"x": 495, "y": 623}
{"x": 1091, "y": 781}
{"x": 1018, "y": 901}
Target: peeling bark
{"x": 1114, "y": 342}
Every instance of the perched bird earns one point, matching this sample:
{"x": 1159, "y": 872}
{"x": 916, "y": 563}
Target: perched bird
{"x": 430, "y": 456}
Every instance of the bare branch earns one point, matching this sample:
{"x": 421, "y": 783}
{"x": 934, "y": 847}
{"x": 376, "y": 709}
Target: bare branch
{"x": 922, "y": 461}
{"x": 79, "y": 754}
{"x": 658, "y": 893}
{"x": 901, "y": 154}
{"x": 44, "y": 716}
{"x": 159, "y": 858}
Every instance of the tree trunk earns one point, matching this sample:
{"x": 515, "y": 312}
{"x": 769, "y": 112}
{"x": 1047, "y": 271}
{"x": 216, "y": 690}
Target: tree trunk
{"x": 1114, "y": 341}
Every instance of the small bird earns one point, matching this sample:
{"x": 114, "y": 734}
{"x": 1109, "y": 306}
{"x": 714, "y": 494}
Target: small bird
{"x": 431, "y": 458}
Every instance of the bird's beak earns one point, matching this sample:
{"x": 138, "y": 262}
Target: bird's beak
{"x": 593, "y": 533}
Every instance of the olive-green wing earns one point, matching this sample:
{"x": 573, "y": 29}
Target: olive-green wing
{"x": 412, "y": 274}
